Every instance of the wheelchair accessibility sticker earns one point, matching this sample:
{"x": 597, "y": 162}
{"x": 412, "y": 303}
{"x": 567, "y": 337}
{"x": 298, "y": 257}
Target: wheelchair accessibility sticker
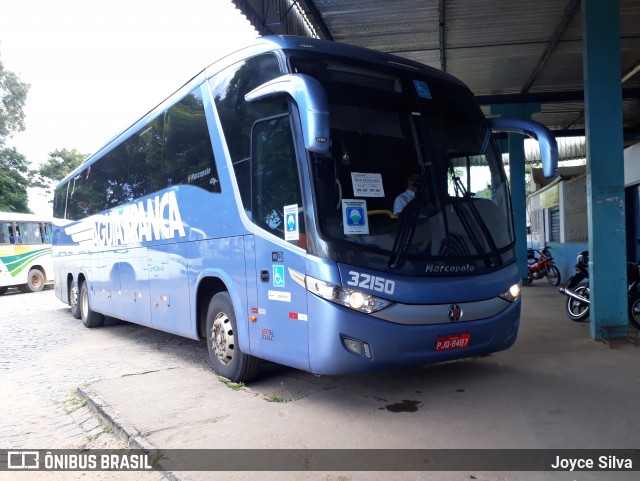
{"x": 278, "y": 276}
{"x": 354, "y": 216}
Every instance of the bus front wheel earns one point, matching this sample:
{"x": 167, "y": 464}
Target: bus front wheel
{"x": 222, "y": 342}
{"x": 89, "y": 317}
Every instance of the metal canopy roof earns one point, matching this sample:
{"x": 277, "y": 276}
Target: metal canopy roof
{"x": 506, "y": 52}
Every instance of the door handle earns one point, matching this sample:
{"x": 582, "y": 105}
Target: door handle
{"x": 264, "y": 276}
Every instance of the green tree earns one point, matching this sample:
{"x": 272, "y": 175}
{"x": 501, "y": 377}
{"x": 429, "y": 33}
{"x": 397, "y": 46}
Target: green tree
{"x": 56, "y": 168}
{"x": 13, "y": 165}
{"x": 13, "y": 181}
{"x": 13, "y": 95}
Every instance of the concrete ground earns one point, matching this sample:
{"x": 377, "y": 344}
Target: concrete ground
{"x": 554, "y": 389}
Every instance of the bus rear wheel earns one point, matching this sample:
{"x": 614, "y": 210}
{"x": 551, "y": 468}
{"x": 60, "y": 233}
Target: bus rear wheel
{"x": 222, "y": 342}
{"x": 89, "y": 317}
{"x": 35, "y": 281}
{"x": 73, "y": 302}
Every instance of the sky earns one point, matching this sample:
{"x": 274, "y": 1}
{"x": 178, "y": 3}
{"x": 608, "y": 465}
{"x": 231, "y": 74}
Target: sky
{"x": 96, "y": 66}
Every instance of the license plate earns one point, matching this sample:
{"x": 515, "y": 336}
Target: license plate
{"x": 455, "y": 341}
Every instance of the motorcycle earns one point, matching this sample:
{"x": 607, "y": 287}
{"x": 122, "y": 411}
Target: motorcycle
{"x": 577, "y": 291}
{"x": 543, "y": 266}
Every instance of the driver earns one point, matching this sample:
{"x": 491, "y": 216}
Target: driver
{"x": 413, "y": 183}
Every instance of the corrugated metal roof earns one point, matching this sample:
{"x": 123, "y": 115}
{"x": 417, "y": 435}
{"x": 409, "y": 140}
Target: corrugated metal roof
{"x": 496, "y": 48}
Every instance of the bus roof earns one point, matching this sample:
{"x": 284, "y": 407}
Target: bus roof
{"x": 263, "y": 45}
{"x": 17, "y": 217}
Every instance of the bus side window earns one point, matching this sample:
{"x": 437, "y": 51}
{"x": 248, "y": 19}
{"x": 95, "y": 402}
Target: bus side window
{"x": 275, "y": 177}
{"x": 4, "y": 233}
{"x": 14, "y": 234}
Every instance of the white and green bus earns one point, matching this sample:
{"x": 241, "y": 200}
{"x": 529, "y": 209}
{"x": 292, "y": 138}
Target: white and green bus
{"x": 25, "y": 252}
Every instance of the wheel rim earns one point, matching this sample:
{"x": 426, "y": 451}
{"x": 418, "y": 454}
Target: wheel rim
{"x": 73, "y": 298}
{"x": 576, "y": 307}
{"x": 36, "y": 281}
{"x": 84, "y": 302}
{"x": 222, "y": 339}
{"x": 552, "y": 275}
{"x": 635, "y": 310}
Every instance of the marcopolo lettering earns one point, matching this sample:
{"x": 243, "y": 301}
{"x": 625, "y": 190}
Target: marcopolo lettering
{"x": 448, "y": 269}
{"x": 159, "y": 219}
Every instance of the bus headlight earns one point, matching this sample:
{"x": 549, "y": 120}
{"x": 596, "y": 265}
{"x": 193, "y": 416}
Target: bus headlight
{"x": 513, "y": 293}
{"x": 356, "y": 300}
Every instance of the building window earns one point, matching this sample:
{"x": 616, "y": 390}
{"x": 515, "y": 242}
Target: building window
{"x": 554, "y": 224}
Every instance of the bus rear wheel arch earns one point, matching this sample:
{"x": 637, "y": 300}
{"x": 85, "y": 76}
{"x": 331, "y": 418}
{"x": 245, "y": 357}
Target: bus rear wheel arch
{"x": 225, "y": 355}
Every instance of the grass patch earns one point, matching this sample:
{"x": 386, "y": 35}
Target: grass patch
{"x": 279, "y": 398}
{"x": 236, "y": 386}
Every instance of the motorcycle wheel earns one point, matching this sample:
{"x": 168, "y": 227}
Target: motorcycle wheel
{"x": 553, "y": 275}
{"x": 578, "y": 311}
{"x": 529, "y": 278}
{"x": 634, "y": 311}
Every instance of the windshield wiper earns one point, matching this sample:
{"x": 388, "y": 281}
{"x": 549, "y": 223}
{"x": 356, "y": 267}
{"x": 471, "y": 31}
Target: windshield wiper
{"x": 408, "y": 220}
{"x": 492, "y": 258}
{"x": 409, "y": 215}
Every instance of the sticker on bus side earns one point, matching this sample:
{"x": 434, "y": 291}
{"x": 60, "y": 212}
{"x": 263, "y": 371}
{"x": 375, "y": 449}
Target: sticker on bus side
{"x": 422, "y": 89}
{"x": 291, "y": 229}
{"x": 279, "y": 296}
{"x": 278, "y": 275}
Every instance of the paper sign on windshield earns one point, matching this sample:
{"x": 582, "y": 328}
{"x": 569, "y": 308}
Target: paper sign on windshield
{"x": 367, "y": 185}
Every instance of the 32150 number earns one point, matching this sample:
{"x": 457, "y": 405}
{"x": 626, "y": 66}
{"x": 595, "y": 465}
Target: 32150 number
{"x": 375, "y": 283}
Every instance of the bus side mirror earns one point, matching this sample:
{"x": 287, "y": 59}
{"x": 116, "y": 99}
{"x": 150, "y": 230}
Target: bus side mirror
{"x": 531, "y": 128}
{"x": 312, "y": 102}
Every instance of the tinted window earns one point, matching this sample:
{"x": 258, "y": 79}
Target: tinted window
{"x": 172, "y": 149}
{"x": 187, "y": 153}
{"x": 275, "y": 179}
{"x": 237, "y": 116}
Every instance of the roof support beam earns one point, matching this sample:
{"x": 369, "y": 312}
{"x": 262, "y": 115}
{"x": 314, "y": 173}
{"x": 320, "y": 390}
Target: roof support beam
{"x": 441, "y": 32}
{"x": 569, "y": 12}
{"x": 546, "y": 97}
{"x": 605, "y": 165}
{"x": 309, "y": 7}
{"x": 277, "y": 17}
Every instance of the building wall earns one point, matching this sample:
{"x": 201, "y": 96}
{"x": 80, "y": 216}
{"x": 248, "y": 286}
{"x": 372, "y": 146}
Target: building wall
{"x": 572, "y": 206}
{"x": 574, "y": 209}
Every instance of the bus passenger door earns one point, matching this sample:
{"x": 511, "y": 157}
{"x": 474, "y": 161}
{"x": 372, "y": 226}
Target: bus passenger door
{"x": 281, "y": 330}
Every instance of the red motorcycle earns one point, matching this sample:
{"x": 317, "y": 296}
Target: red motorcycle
{"x": 542, "y": 266}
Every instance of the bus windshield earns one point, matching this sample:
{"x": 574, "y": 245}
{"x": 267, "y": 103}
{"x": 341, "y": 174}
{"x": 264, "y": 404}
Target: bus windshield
{"x": 414, "y": 183}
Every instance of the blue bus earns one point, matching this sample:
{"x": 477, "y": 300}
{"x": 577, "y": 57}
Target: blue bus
{"x": 318, "y": 205}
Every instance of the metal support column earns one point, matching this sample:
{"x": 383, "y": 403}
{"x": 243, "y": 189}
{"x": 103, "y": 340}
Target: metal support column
{"x": 517, "y": 178}
{"x": 605, "y": 164}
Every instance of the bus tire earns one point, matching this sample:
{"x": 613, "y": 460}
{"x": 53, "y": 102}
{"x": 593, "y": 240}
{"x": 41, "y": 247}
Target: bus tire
{"x": 35, "y": 280}
{"x": 74, "y": 302}
{"x": 225, "y": 355}
{"x": 89, "y": 317}
{"x": 3, "y": 290}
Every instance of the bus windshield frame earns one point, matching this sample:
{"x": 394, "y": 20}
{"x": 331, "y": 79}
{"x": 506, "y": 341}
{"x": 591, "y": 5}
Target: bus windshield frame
{"x": 388, "y": 125}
